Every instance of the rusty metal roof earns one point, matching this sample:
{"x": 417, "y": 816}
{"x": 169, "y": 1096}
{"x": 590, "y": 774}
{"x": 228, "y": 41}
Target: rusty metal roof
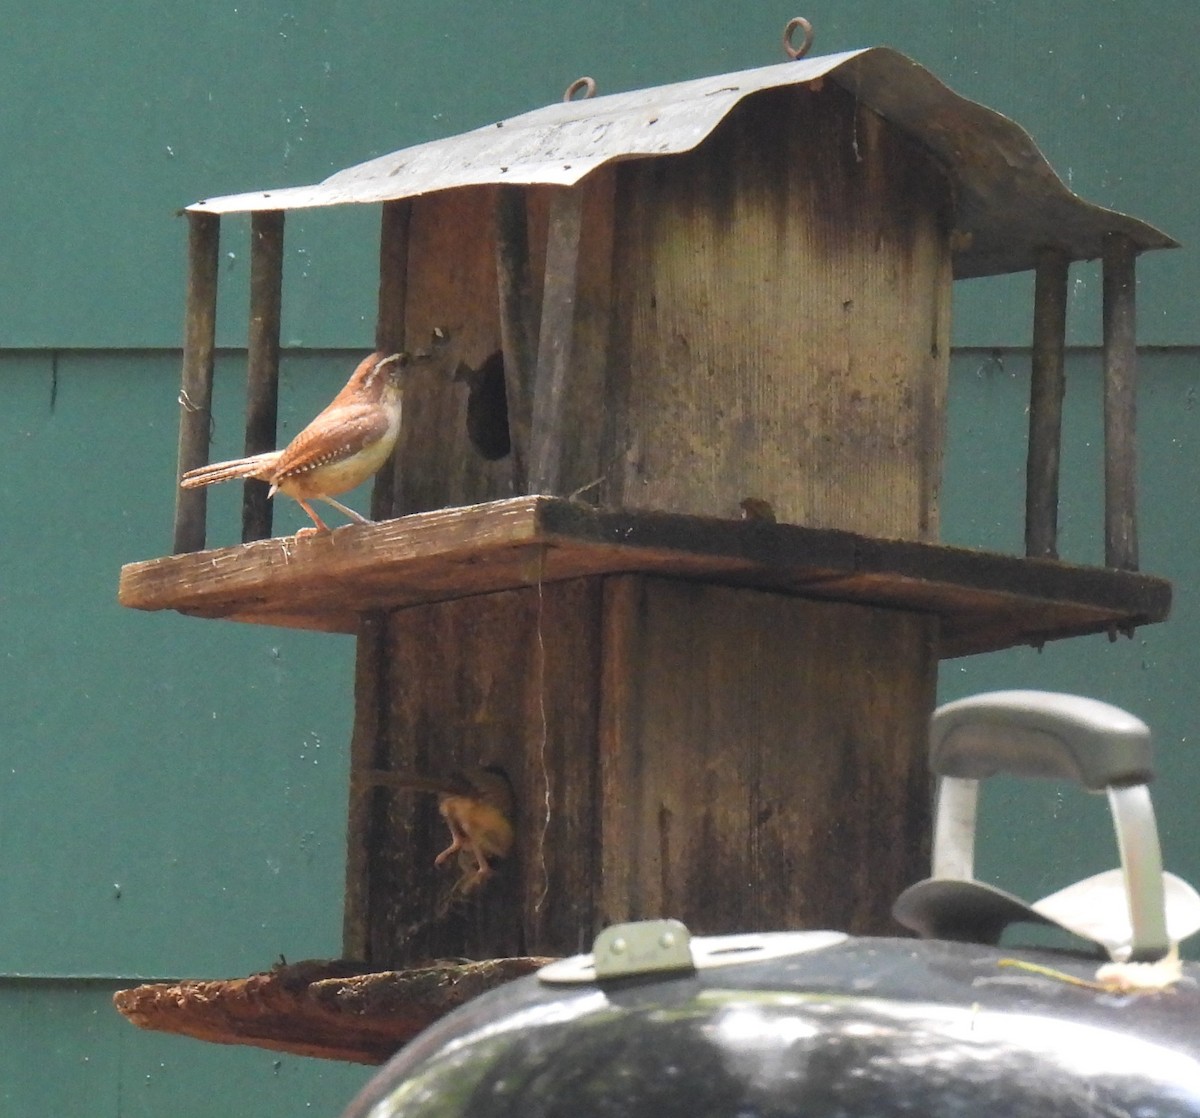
{"x": 1010, "y": 201}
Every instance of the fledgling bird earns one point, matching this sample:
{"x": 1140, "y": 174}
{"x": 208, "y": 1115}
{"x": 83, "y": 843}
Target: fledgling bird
{"x": 477, "y": 805}
{"x": 342, "y": 447}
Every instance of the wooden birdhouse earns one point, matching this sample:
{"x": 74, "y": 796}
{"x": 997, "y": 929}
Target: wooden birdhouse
{"x": 660, "y": 539}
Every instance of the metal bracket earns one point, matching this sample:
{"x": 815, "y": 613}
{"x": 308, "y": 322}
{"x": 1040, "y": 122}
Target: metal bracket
{"x": 666, "y": 947}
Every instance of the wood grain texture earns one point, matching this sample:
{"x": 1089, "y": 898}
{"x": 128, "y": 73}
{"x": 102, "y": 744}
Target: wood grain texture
{"x": 368, "y": 744}
{"x": 782, "y": 322}
{"x": 316, "y": 1008}
{"x": 1046, "y": 389}
{"x": 519, "y": 315}
{"x": 195, "y": 391}
{"x": 389, "y": 325}
{"x": 985, "y": 601}
{"x": 556, "y": 341}
{"x": 586, "y": 404}
{"x": 262, "y": 363}
{"x": 1120, "y": 403}
{"x": 506, "y": 679}
{"x": 762, "y": 758}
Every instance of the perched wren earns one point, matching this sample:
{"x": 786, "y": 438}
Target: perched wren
{"x": 341, "y": 448}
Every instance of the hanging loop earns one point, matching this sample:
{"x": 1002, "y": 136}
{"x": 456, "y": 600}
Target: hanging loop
{"x": 794, "y": 52}
{"x": 586, "y": 86}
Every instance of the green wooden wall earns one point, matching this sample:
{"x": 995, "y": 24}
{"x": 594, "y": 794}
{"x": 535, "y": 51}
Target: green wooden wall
{"x": 172, "y": 791}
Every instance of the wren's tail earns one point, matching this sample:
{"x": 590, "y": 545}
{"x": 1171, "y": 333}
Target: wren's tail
{"x": 257, "y": 466}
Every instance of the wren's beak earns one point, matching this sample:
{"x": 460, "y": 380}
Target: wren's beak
{"x": 400, "y": 364}
{"x": 418, "y": 356}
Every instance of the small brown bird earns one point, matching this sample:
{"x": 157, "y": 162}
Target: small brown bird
{"x": 477, "y": 806}
{"x": 347, "y": 443}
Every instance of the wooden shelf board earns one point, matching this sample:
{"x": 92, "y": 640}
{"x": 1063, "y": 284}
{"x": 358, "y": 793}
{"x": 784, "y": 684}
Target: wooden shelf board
{"x": 315, "y": 1008}
{"x": 986, "y": 601}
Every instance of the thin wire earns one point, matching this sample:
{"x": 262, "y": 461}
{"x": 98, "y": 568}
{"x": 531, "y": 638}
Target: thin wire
{"x": 545, "y": 774}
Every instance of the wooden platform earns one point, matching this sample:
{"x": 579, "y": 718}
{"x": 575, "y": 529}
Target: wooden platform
{"x": 985, "y": 601}
{"x": 316, "y": 1008}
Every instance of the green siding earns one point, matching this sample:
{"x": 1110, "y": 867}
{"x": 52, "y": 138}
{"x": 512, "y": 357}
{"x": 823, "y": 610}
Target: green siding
{"x": 169, "y": 788}
{"x": 115, "y": 117}
{"x": 67, "y": 1053}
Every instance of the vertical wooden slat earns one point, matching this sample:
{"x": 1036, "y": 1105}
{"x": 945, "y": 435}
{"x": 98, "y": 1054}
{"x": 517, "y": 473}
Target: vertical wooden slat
{"x": 1120, "y": 403}
{"x": 195, "y": 392}
{"x": 518, "y": 324}
{"x": 262, "y": 365}
{"x": 555, "y": 341}
{"x": 1047, "y": 385}
{"x": 368, "y": 747}
{"x": 590, "y": 414}
{"x": 389, "y": 325}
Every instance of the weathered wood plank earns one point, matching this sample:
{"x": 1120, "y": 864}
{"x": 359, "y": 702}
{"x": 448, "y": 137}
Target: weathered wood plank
{"x": 587, "y": 413}
{"x": 372, "y": 676}
{"x": 317, "y": 1008}
{"x": 262, "y": 362}
{"x": 782, "y": 323}
{"x": 519, "y": 317}
{"x": 986, "y": 601}
{"x": 556, "y": 341}
{"x": 1120, "y": 403}
{"x": 507, "y": 679}
{"x": 762, "y": 758}
{"x": 389, "y": 325}
{"x": 1046, "y": 389}
{"x": 195, "y": 391}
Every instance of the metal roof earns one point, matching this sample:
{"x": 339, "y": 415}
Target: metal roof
{"x": 1010, "y": 201}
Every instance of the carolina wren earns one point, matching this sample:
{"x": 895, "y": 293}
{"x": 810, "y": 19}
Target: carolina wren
{"x": 338, "y": 450}
{"x": 477, "y": 806}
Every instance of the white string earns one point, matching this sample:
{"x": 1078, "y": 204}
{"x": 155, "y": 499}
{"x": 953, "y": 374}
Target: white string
{"x": 545, "y": 774}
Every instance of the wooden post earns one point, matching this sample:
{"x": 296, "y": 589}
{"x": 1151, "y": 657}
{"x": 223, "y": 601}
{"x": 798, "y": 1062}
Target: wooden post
{"x": 262, "y": 371}
{"x": 518, "y": 323}
{"x": 1120, "y": 403}
{"x": 556, "y": 340}
{"x": 389, "y": 326}
{"x": 1046, "y": 389}
{"x": 195, "y": 392}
